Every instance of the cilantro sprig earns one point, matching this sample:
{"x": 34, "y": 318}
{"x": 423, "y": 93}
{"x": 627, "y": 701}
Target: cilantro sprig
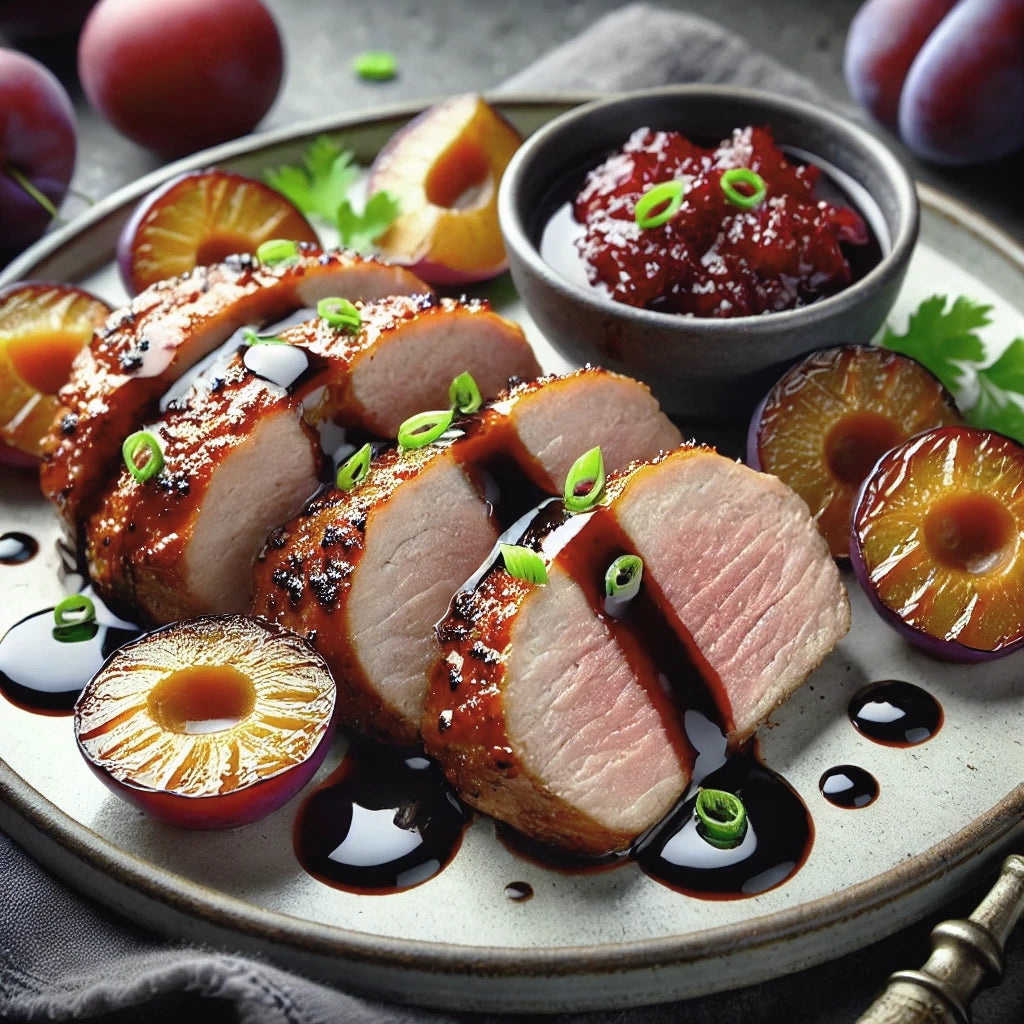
{"x": 943, "y": 336}
{"x": 319, "y": 186}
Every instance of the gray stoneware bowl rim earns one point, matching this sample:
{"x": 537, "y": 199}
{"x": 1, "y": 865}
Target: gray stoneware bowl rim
{"x": 895, "y": 257}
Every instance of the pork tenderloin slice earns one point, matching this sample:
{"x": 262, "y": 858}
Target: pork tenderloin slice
{"x": 541, "y": 720}
{"x": 117, "y": 380}
{"x": 559, "y": 417}
{"x": 404, "y": 357}
{"x": 387, "y": 605}
{"x": 238, "y": 460}
{"x": 742, "y": 573}
{"x": 365, "y": 574}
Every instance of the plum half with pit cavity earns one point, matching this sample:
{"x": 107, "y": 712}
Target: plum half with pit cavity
{"x": 211, "y": 722}
{"x": 202, "y": 217}
{"x": 830, "y": 417}
{"x": 42, "y": 328}
{"x": 937, "y": 542}
{"x": 445, "y": 167}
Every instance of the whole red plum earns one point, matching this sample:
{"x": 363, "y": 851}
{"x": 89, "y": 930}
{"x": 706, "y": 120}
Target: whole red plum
{"x": 947, "y": 75}
{"x": 37, "y": 143}
{"x": 180, "y": 75}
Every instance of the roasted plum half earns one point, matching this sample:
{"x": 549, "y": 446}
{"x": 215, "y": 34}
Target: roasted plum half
{"x": 444, "y": 167}
{"x": 212, "y": 722}
{"x": 202, "y": 217}
{"x": 937, "y": 542}
{"x": 830, "y": 417}
{"x": 42, "y": 328}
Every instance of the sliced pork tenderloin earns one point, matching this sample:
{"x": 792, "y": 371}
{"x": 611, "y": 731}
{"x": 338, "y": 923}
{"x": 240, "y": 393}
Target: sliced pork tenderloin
{"x": 117, "y": 380}
{"x": 364, "y": 574}
{"x": 544, "y": 721}
{"x": 743, "y": 572}
{"x": 238, "y": 460}
{"x": 739, "y": 601}
{"x": 368, "y": 572}
{"x": 403, "y": 358}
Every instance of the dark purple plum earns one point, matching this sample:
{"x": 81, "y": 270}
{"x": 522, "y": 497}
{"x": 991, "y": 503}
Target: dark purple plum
{"x": 37, "y": 145}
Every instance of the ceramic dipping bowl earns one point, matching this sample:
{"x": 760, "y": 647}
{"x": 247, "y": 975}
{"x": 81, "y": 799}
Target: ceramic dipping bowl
{"x": 704, "y": 368}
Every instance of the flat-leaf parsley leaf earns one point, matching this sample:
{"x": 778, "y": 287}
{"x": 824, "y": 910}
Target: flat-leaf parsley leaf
{"x": 320, "y": 185}
{"x": 946, "y": 342}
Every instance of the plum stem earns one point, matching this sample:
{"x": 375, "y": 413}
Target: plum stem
{"x": 22, "y": 181}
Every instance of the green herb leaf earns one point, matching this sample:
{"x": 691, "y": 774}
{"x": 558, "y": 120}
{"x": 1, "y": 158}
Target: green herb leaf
{"x": 321, "y": 183}
{"x": 943, "y": 340}
{"x": 997, "y": 408}
{"x": 360, "y": 231}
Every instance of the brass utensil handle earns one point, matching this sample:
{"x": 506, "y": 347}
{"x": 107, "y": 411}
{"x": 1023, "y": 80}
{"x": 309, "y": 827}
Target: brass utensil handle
{"x": 966, "y": 954}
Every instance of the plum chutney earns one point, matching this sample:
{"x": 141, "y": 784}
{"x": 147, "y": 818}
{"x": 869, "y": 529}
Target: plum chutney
{"x": 736, "y": 229}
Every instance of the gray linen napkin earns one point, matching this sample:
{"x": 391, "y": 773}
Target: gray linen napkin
{"x": 64, "y": 958}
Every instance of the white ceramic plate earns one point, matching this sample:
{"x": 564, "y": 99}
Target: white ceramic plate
{"x": 947, "y": 811}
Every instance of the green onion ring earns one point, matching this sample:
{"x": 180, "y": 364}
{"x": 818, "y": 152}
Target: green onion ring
{"x": 354, "y": 468}
{"x": 585, "y": 482}
{"x": 74, "y": 610}
{"x": 423, "y": 428}
{"x": 276, "y": 252}
{"x": 743, "y": 176}
{"x": 524, "y": 563}
{"x": 376, "y": 65}
{"x": 623, "y": 576}
{"x": 339, "y": 313}
{"x": 132, "y": 448}
{"x": 464, "y": 395}
{"x": 721, "y": 818}
{"x": 666, "y": 194}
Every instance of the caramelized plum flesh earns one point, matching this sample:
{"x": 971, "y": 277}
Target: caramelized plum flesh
{"x": 199, "y": 218}
{"x": 937, "y": 541}
{"x": 212, "y": 722}
{"x": 827, "y": 421}
{"x": 444, "y": 167}
{"x": 42, "y": 328}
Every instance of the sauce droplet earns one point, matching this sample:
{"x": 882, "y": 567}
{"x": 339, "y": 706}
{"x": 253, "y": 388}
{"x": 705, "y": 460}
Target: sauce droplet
{"x": 39, "y": 672}
{"x": 16, "y": 548}
{"x": 384, "y": 821}
{"x": 846, "y": 785}
{"x": 519, "y": 892}
{"x": 895, "y": 713}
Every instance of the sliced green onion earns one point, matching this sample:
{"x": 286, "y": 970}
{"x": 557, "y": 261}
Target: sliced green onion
{"x": 743, "y": 176}
{"x": 585, "y": 482}
{"x": 354, "y": 468}
{"x": 622, "y": 579}
{"x": 378, "y": 65}
{"x": 524, "y": 563}
{"x": 75, "y": 619}
{"x": 277, "y": 252}
{"x": 425, "y": 427}
{"x": 668, "y": 195}
{"x": 252, "y": 338}
{"x": 339, "y": 313}
{"x": 464, "y": 395}
{"x": 133, "y": 447}
{"x": 721, "y": 818}
{"x": 75, "y": 610}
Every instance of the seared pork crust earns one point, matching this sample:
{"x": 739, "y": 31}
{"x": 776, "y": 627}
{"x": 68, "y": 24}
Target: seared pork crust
{"x": 238, "y": 460}
{"x": 117, "y": 381}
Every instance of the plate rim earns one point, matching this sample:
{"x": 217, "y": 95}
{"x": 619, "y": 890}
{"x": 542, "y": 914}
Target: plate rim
{"x": 68, "y": 847}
